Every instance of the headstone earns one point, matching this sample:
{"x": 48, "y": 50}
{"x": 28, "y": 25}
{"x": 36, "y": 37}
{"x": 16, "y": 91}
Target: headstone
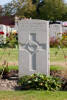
{"x": 55, "y": 29}
{"x": 8, "y": 29}
{"x": 64, "y": 29}
{"x": 1, "y": 39}
{"x": 33, "y": 47}
{"x": 2, "y": 29}
{"x": 16, "y": 23}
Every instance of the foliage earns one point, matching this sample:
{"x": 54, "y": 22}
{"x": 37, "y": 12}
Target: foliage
{"x": 64, "y": 39}
{"x": 12, "y": 40}
{"x": 6, "y": 71}
{"x": 8, "y": 9}
{"x": 52, "y": 10}
{"x": 59, "y": 41}
{"x": 20, "y": 8}
{"x": 48, "y": 10}
{"x": 54, "y": 42}
{"x": 28, "y": 10}
{"x": 9, "y": 68}
{"x": 39, "y": 82}
{"x": 1, "y": 10}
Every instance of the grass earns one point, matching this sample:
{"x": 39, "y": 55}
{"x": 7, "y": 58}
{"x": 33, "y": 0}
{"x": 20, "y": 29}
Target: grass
{"x": 13, "y": 67}
{"x": 10, "y": 67}
{"x": 56, "y": 68}
{"x": 51, "y": 68}
{"x": 59, "y": 57}
{"x": 11, "y": 55}
{"x": 8, "y": 54}
{"x": 33, "y": 95}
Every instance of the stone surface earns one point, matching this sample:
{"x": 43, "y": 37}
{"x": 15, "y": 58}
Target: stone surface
{"x": 3, "y": 29}
{"x": 33, "y": 47}
{"x": 54, "y": 29}
{"x": 64, "y": 29}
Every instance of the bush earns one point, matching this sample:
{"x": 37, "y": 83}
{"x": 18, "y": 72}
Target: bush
{"x": 12, "y": 40}
{"x": 64, "y": 39}
{"x": 54, "y": 42}
{"x": 39, "y": 82}
{"x": 5, "y": 72}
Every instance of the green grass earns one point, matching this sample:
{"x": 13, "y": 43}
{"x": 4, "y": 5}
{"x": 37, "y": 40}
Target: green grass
{"x": 10, "y": 55}
{"x": 59, "y": 57}
{"x": 51, "y": 67}
{"x": 10, "y": 67}
{"x": 33, "y": 95}
{"x": 56, "y": 68}
{"x": 13, "y": 67}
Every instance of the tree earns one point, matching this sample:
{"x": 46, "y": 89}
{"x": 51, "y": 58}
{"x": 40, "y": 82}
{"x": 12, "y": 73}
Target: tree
{"x": 52, "y": 10}
{"x": 8, "y": 9}
{"x": 64, "y": 16}
{"x": 26, "y": 9}
{"x": 1, "y": 10}
{"x": 42, "y": 9}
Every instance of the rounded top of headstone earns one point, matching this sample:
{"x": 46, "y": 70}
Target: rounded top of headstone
{"x": 33, "y": 21}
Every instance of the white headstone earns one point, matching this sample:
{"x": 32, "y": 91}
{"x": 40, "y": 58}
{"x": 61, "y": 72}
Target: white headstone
{"x": 8, "y": 29}
{"x": 33, "y": 47}
{"x": 55, "y": 29}
{"x": 64, "y": 29}
{"x": 3, "y": 29}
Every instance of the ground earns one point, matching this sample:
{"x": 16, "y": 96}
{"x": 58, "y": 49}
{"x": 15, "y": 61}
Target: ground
{"x": 57, "y": 57}
{"x": 8, "y": 85}
{"x": 33, "y": 95}
{"x": 11, "y": 56}
{"x": 56, "y": 61}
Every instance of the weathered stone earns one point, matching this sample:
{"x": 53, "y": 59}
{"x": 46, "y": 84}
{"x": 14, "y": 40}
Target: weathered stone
{"x": 55, "y": 29}
{"x": 33, "y": 47}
